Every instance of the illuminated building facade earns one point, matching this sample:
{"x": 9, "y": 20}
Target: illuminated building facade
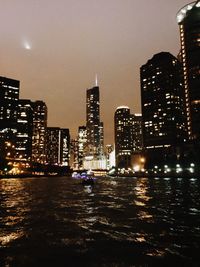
{"x": 9, "y": 96}
{"x": 24, "y": 133}
{"x": 39, "y": 131}
{"x": 64, "y": 147}
{"x": 91, "y": 163}
{"x": 162, "y": 101}
{"x": 123, "y": 137}
{"x": 74, "y": 154}
{"x": 82, "y": 140}
{"x": 101, "y": 139}
{"x": 52, "y": 145}
{"x": 128, "y": 136}
{"x": 93, "y": 124}
{"x": 163, "y": 105}
{"x": 57, "y": 146}
{"x": 188, "y": 19}
{"x": 94, "y": 154}
{"x": 137, "y": 137}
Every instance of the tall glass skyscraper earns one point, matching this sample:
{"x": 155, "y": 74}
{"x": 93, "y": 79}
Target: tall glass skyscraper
{"x": 136, "y": 121}
{"x": 188, "y": 19}
{"x": 93, "y": 125}
{"x": 58, "y": 146}
{"x": 162, "y": 101}
{"x": 24, "y": 131}
{"x": 163, "y": 107}
{"x": 9, "y": 96}
{"x": 39, "y": 132}
{"x": 123, "y": 137}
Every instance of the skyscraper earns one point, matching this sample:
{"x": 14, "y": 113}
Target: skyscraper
{"x": 24, "y": 131}
{"x": 52, "y": 145}
{"x": 162, "y": 101}
{"x": 94, "y": 156}
{"x": 39, "y": 131}
{"x": 123, "y": 137}
{"x": 82, "y": 139}
{"x": 58, "y": 146}
{"x": 136, "y": 132}
{"x": 188, "y": 19}
{"x": 101, "y": 128}
{"x": 94, "y": 126}
{"x": 9, "y": 96}
{"x": 64, "y": 147}
{"x": 93, "y": 121}
{"x": 163, "y": 106}
{"x": 74, "y": 153}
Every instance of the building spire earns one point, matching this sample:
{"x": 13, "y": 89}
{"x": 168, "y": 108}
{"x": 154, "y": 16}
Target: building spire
{"x": 96, "y": 80}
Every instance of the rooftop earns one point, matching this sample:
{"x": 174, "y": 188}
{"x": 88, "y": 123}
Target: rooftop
{"x": 122, "y": 107}
{"x": 183, "y": 11}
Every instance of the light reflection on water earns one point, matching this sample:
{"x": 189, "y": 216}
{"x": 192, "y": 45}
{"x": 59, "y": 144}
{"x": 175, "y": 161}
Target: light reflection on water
{"x": 8, "y": 238}
{"x": 55, "y": 220}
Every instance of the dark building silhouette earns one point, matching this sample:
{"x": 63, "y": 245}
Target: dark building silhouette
{"x": 123, "y": 137}
{"x": 93, "y": 121}
{"x": 136, "y": 133}
{"x": 93, "y": 125}
{"x": 39, "y": 132}
{"x": 9, "y": 96}
{"x": 189, "y": 22}
{"x": 24, "y": 131}
{"x": 74, "y": 154}
{"x": 57, "y": 146}
{"x": 52, "y": 145}
{"x": 163, "y": 105}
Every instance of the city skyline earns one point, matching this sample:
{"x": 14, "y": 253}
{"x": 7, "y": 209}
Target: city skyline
{"x": 56, "y": 50}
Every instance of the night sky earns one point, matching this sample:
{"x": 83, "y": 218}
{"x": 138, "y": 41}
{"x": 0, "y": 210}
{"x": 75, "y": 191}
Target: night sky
{"x": 55, "y": 48}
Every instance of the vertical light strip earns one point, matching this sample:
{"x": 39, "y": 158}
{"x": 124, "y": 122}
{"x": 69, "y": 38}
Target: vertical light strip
{"x": 59, "y": 144}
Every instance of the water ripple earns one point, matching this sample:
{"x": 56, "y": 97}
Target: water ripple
{"x": 144, "y": 221}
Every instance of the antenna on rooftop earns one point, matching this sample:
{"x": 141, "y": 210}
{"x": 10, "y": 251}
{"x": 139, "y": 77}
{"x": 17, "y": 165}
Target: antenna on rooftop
{"x": 96, "y": 80}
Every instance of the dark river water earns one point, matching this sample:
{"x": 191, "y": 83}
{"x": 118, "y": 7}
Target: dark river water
{"x": 117, "y": 222}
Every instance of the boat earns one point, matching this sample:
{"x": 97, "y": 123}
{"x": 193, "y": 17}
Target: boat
{"x": 88, "y": 181}
{"x": 88, "y": 178}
